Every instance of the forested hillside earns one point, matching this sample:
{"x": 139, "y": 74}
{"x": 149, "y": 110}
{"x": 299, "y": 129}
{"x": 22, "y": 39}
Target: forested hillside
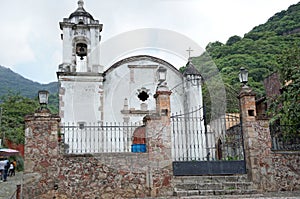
{"x": 18, "y": 97}
{"x": 257, "y": 51}
{"x": 13, "y": 83}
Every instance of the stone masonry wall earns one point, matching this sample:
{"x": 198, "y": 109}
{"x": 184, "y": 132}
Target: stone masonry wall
{"x": 269, "y": 170}
{"x": 50, "y": 173}
{"x": 272, "y": 170}
{"x": 159, "y": 155}
{"x": 41, "y": 153}
{"x": 103, "y": 176}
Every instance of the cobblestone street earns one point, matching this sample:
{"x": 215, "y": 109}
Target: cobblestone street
{"x": 8, "y": 188}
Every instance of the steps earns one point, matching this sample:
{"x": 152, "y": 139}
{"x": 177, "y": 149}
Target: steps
{"x": 212, "y": 185}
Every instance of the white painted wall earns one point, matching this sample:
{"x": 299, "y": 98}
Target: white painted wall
{"x": 81, "y": 99}
{"x": 125, "y": 81}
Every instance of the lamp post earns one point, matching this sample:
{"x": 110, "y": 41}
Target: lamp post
{"x": 43, "y": 98}
{"x": 243, "y": 76}
{"x": 244, "y": 105}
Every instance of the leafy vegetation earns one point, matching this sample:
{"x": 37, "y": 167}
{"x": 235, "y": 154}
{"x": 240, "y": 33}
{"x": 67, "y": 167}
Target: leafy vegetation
{"x": 286, "y": 107}
{"x": 257, "y": 51}
{"x": 12, "y": 82}
{"x": 18, "y": 97}
{"x": 14, "y": 108}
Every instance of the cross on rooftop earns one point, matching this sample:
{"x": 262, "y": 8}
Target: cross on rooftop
{"x": 80, "y": 3}
{"x": 190, "y": 51}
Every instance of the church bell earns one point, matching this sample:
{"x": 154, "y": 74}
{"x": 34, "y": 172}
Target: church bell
{"x": 81, "y": 50}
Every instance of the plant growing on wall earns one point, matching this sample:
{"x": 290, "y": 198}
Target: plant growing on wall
{"x": 286, "y": 107}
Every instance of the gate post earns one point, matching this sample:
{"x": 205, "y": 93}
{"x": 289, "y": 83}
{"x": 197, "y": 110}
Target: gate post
{"x": 248, "y": 116}
{"x": 41, "y": 153}
{"x": 158, "y": 134}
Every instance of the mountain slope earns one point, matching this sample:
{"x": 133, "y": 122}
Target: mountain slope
{"x": 13, "y": 82}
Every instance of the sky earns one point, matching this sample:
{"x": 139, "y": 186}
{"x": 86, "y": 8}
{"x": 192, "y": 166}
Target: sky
{"x": 30, "y": 34}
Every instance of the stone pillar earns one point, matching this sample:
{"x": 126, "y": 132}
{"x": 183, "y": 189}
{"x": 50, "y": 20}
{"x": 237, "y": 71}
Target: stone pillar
{"x": 163, "y": 107}
{"x": 41, "y": 153}
{"x": 248, "y": 116}
{"x": 158, "y": 134}
{"x": 247, "y": 103}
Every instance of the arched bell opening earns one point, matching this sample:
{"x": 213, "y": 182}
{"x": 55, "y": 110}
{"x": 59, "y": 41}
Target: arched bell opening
{"x": 81, "y": 50}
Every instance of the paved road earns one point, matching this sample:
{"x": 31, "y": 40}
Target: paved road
{"x": 8, "y": 188}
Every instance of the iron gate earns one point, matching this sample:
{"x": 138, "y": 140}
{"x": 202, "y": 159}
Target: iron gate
{"x": 199, "y": 149}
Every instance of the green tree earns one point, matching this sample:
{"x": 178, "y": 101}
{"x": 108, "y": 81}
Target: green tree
{"x": 233, "y": 39}
{"x": 14, "y": 108}
{"x": 286, "y": 107}
{"x": 53, "y": 103}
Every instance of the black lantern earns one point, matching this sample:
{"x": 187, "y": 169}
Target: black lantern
{"x": 43, "y": 97}
{"x": 243, "y": 76}
{"x": 162, "y": 74}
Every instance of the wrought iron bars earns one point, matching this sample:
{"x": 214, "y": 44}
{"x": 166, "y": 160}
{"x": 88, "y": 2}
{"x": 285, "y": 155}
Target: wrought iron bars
{"x": 194, "y": 140}
{"x": 285, "y": 137}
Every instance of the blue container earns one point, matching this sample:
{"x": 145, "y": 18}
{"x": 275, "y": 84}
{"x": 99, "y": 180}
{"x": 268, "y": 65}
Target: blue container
{"x": 138, "y": 148}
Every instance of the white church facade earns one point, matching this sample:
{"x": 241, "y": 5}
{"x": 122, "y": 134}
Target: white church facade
{"x": 123, "y": 92}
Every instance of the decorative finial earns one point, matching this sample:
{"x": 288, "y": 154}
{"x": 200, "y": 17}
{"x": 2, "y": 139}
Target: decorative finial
{"x": 80, "y": 3}
{"x": 190, "y": 52}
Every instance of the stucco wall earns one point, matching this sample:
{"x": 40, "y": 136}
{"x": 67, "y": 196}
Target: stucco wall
{"x": 127, "y": 79}
{"x": 80, "y": 98}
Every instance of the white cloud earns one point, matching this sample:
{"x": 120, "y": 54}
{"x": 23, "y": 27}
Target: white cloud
{"x": 15, "y": 46}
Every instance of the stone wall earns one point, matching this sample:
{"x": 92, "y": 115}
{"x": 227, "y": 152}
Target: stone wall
{"x": 269, "y": 170}
{"x": 41, "y": 153}
{"x": 273, "y": 170}
{"x": 103, "y": 176}
{"x": 272, "y": 85}
{"x": 49, "y": 173}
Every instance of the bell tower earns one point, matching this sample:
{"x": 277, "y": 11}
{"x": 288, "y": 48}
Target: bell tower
{"x": 81, "y": 39}
{"x": 80, "y": 73}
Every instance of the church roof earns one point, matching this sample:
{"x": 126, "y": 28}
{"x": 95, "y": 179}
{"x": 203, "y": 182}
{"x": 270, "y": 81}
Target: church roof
{"x": 191, "y": 69}
{"x": 81, "y": 12}
{"x": 139, "y": 58}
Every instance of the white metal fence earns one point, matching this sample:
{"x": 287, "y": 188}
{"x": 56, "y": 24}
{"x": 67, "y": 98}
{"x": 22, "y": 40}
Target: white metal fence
{"x": 111, "y": 137}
